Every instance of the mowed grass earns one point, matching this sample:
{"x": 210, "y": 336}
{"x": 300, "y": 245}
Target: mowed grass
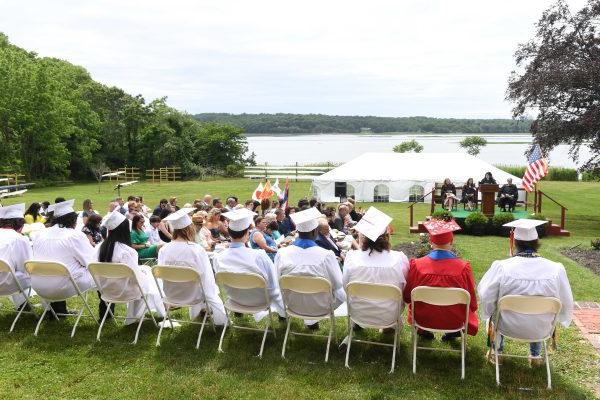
{"x": 54, "y": 366}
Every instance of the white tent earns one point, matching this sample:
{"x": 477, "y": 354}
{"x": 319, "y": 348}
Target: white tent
{"x": 398, "y": 177}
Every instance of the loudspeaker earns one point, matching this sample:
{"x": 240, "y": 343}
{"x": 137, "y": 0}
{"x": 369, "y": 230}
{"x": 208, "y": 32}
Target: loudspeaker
{"x": 340, "y": 189}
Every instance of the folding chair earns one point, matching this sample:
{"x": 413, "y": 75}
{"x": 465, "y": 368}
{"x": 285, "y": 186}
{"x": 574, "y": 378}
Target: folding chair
{"x": 439, "y": 296}
{"x": 114, "y": 271}
{"x": 59, "y": 270}
{"x": 373, "y": 292}
{"x": 177, "y": 274}
{"x": 306, "y": 285}
{"x": 11, "y": 287}
{"x": 529, "y": 305}
{"x": 245, "y": 281}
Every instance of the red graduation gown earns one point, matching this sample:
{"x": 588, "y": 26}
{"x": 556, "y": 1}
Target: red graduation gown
{"x": 449, "y": 272}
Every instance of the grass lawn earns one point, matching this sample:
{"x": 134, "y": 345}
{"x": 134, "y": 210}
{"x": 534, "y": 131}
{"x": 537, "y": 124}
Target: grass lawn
{"x": 53, "y": 366}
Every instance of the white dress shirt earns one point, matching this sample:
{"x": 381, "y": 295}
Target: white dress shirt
{"x": 189, "y": 254}
{"x": 15, "y": 249}
{"x": 535, "y": 276}
{"x": 387, "y": 267}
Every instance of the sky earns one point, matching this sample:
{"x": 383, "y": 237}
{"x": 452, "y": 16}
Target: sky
{"x": 396, "y": 58}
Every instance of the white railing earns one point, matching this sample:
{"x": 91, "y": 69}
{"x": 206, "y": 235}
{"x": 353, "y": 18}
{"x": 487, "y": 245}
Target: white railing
{"x": 295, "y": 172}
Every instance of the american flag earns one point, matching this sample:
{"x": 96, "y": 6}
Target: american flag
{"x": 536, "y": 170}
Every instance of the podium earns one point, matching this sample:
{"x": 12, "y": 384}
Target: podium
{"x": 488, "y": 198}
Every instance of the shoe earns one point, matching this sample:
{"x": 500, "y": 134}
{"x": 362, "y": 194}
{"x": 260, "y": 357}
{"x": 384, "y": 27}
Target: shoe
{"x": 426, "y": 335}
{"x": 313, "y": 327}
{"x": 450, "y": 336}
{"x": 535, "y": 362}
{"x": 237, "y": 314}
{"x": 491, "y": 358}
{"x": 356, "y": 328}
{"x": 282, "y": 319}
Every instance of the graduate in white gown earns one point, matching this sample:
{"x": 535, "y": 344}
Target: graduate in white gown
{"x": 304, "y": 257}
{"x": 527, "y": 273}
{"x": 185, "y": 252}
{"x": 375, "y": 262}
{"x": 240, "y": 258}
{"x": 63, "y": 243}
{"x": 117, "y": 249}
{"x": 15, "y": 249}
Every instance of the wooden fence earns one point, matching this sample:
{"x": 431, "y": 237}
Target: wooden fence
{"x": 165, "y": 174}
{"x": 11, "y": 178}
{"x": 295, "y": 172}
{"x": 129, "y": 174}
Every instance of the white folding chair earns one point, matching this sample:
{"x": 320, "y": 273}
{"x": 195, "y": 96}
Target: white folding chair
{"x": 11, "y": 287}
{"x": 179, "y": 275}
{"x": 59, "y": 270}
{"x": 306, "y": 286}
{"x": 114, "y": 271}
{"x": 439, "y": 296}
{"x": 529, "y": 305}
{"x": 245, "y": 281}
{"x": 358, "y": 291}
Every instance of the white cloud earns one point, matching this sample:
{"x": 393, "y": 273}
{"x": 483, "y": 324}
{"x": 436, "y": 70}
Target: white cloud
{"x": 392, "y": 58}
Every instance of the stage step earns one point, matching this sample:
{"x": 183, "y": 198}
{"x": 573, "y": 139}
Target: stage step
{"x": 419, "y": 228}
{"x": 555, "y": 230}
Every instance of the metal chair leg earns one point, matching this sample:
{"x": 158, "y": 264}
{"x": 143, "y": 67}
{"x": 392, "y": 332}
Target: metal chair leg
{"x": 496, "y": 347}
{"x": 547, "y": 366}
{"x": 163, "y": 325}
{"x": 77, "y": 321}
{"x": 223, "y": 335}
{"x": 137, "y": 332}
{"x": 414, "y": 340}
{"x": 262, "y": 345}
{"x": 102, "y": 323}
{"x": 37, "y": 327}
{"x": 201, "y": 330}
{"x": 348, "y": 344}
{"x": 463, "y": 349}
{"x": 394, "y": 349}
{"x": 285, "y": 338}
{"x": 20, "y": 312}
{"x": 331, "y": 326}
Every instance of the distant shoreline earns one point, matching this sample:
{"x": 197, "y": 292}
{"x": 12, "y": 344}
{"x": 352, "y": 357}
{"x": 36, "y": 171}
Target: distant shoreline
{"x": 378, "y": 134}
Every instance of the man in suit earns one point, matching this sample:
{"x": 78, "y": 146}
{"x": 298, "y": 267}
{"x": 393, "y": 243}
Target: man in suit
{"x": 325, "y": 240}
{"x": 508, "y": 195}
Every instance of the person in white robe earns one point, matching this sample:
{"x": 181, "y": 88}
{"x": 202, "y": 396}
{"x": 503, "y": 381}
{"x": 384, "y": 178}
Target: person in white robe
{"x": 304, "y": 257}
{"x": 184, "y": 251}
{"x": 15, "y": 249}
{"x": 375, "y": 262}
{"x": 117, "y": 249}
{"x": 65, "y": 244}
{"x": 528, "y": 274}
{"x": 240, "y": 258}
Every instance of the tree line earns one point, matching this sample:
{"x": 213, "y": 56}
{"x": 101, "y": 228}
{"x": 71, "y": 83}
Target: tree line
{"x": 57, "y": 123}
{"x": 319, "y": 123}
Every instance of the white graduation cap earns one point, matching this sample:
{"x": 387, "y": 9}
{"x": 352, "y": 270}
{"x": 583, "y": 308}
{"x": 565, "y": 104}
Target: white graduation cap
{"x": 62, "y": 208}
{"x": 307, "y": 220}
{"x": 525, "y": 228}
{"x": 180, "y": 219}
{"x": 239, "y": 219}
{"x": 114, "y": 219}
{"x": 14, "y": 211}
{"x": 373, "y": 224}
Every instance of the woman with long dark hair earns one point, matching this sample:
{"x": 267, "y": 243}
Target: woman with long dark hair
{"x": 139, "y": 239}
{"x": 375, "y": 262}
{"x": 92, "y": 229}
{"x": 32, "y": 215}
{"x": 117, "y": 249}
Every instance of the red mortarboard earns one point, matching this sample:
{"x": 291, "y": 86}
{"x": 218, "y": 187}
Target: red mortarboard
{"x": 440, "y": 232}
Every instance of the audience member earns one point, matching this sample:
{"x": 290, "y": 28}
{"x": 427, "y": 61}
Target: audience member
{"x": 164, "y": 203}
{"x": 33, "y": 215}
{"x": 139, "y": 239}
{"x": 260, "y": 239}
{"x": 325, "y": 240}
{"x": 92, "y": 229}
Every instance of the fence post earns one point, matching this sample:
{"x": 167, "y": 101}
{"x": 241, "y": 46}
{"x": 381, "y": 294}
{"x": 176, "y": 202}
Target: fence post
{"x": 296, "y": 171}
{"x": 265, "y": 170}
{"x": 562, "y": 217}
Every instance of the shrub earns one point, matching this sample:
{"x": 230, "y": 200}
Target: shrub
{"x": 476, "y": 222}
{"x": 234, "y": 171}
{"x": 408, "y": 146}
{"x": 562, "y": 174}
{"x": 596, "y": 244}
{"x": 591, "y": 176}
{"x": 541, "y": 229}
{"x": 537, "y": 216}
{"x": 499, "y": 220}
{"x": 443, "y": 215}
{"x": 516, "y": 170}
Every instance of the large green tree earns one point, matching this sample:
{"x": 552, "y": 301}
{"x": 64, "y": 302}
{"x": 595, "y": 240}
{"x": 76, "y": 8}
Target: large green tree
{"x": 559, "y": 76}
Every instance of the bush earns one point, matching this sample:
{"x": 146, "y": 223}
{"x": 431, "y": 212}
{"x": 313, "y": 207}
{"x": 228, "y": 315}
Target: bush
{"x": 516, "y": 170}
{"x": 596, "y": 244}
{"x": 234, "y": 171}
{"x": 591, "y": 176}
{"x": 476, "y": 222}
{"x": 499, "y": 220}
{"x": 562, "y": 174}
{"x": 443, "y": 215}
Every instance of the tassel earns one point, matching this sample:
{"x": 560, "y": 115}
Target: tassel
{"x": 511, "y": 242}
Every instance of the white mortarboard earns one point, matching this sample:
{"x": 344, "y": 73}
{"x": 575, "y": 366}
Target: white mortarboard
{"x": 14, "y": 211}
{"x": 62, "y": 208}
{"x": 307, "y": 220}
{"x": 114, "y": 219}
{"x": 180, "y": 219}
{"x": 373, "y": 224}
{"x": 525, "y": 228}
{"x": 239, "y": 219}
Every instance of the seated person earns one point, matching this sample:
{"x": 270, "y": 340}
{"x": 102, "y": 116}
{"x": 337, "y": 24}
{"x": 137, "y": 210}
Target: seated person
{"x": 488, "y": 179}
{"x": 525, "y": 274}
{"x": 448, "y": 194}
{"x": 441, "y": 268}
{"x": 469, "y": 195}
{"x": 508, "y": 195}
{"x": 325, "y": 240}
{"x": 261, "y": 239}
{"x": 140, "y": 239}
